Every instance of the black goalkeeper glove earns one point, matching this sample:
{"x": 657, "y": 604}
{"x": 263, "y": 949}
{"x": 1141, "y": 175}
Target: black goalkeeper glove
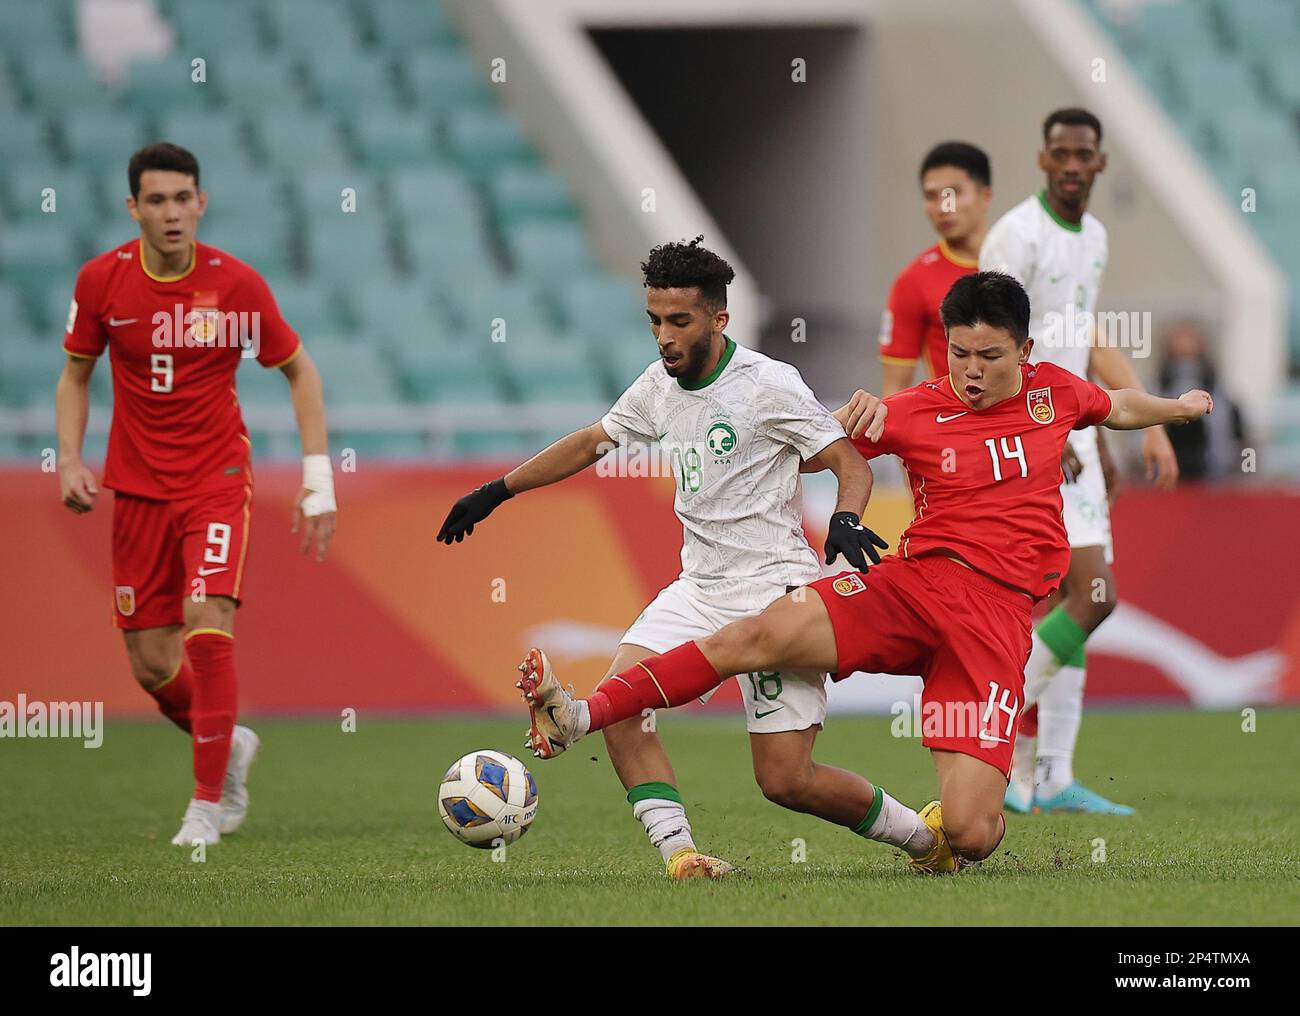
{"x": 473, "y": 508}
{"x": 849, "y": 537}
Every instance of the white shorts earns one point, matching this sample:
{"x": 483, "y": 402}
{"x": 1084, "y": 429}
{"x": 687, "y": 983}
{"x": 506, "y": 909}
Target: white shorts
{"x": 774, "y": 702}
{"x": 1086, "y": 511}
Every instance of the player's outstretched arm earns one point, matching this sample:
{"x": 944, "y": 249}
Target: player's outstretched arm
{"x": 77, "y": 487}
{"x": 1131, "y": 409}
{"x": 1113, "y": 368}
{"x": 315, "y": 513}
{"x": 571, "y": 454}
{"x": 846, "y": 535}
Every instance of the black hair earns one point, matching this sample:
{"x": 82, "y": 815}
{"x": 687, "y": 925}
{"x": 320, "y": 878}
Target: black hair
{"x": 689, "y": 266}
{"x": 990, "y": 298}
{"x": 1071, "y": 117}
{"x": 161, "y": 156}
{"x": 962, "y": 156}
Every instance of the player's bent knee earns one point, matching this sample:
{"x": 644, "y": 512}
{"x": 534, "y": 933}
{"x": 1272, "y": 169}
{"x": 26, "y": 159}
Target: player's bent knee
{"x": 976, "y": 837}
{"x": 782, "y": 787}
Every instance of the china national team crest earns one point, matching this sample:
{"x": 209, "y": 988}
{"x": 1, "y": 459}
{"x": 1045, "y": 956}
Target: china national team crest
{"x": 204, "y": 319}
{"x": 848, "y": 585}
{"x": 125, "y": 596}
{"x": 1040, "y": 405}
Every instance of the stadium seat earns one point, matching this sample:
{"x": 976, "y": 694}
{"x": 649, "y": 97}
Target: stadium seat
{"x": 457, "y": 255}
{"x": 343, "y": 248}
{"x": 28, "y": 373}
{"x": 311, "y": 306}
{"x": 530, "y": 192}
{"x": 265, "y": 248}
{"x": 168, "y": 86}
{"x": 550, "y": 250}
{"x": 31, "y": 253}
{"x": 75, "y": 196}
{"x": 32, "y": 28}
{"x": 432, "y": 194}
{"x": 597, "y": 303}
{"x": 1263, "y": 25}
{"x": 57, "y": 81}
{"x": 247, "y": 83}
{"x": 226, "y": 27}
{"x": 25, "y": 139}
{"x": 407, "y": 24}
{"x": 214, "y": 135}
{"x": 15, "y": 311}
{"x": 292, "y": 141}
{"x": 352, "y": 84}
{"x": 354, "y": 375}
{"x": 387, "y": 139}
{"x": 96, "y": 139}
{"x": 387, "y": 444}
{"x": 393, "y": 314}
{"x": 443, "y": 79}
{"x": 319, "y": 29}
{"x": 482, "y": 139}
{"x": 319, "y": 192}
{"x": 514, "y": 302}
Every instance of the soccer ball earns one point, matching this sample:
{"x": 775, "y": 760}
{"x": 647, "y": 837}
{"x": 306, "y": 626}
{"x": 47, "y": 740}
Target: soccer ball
{"x": 487, "y": 798}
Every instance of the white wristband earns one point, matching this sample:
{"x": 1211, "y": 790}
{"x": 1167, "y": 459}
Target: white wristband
{"x": 318, "y": 479}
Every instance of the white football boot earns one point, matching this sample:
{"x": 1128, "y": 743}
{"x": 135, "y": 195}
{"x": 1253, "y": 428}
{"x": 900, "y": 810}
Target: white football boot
{"x": 555, "y": 714}
{"x": 244, "y": 745}
{"x": 199, "y": 823}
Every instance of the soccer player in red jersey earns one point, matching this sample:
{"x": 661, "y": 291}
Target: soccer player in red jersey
{"x": 176, "y": 317}
{"x": 955, "y": 186}
{"x": 982, "y": 449}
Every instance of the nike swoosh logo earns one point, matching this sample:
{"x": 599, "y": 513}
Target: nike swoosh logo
{"x": 205, "y": 740}
{"x": 940, "y": 418}
{"x": 212, "y": 571}
{"x": 114, "y": 322}
{"x": 985, "y": 735}
{"x": 759, "y": 716}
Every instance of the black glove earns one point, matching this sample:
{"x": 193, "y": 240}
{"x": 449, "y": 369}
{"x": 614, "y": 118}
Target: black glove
{"x": 472, "y": 508}
{"x": 849, "y": 537}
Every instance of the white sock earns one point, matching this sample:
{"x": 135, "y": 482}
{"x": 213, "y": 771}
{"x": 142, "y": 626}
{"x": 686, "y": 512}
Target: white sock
{"x": 899, "y": 826}
{"x": 583, "y": 726}
{"x": 666, "y": 824}
{"x": 1060, "y": 712}
{"x": 1039, "y": 670}
{"x": 1022, "y": 767}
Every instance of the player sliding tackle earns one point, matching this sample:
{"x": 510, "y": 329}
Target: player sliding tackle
{"x": 982, "y": 448}
{"x": 736, "y": 426}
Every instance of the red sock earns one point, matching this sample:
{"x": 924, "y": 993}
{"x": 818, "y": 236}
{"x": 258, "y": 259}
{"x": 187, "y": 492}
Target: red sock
{"x": 1029, "y": 722}
{"x": 672, "y": 679}
{"x": 212, "y": 715}
{"x": 173, "y": 695}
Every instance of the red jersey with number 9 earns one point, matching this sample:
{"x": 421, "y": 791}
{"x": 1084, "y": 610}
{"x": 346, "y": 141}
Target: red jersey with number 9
{"x": 987, "y": 482}
{"x": 175, "y": 344}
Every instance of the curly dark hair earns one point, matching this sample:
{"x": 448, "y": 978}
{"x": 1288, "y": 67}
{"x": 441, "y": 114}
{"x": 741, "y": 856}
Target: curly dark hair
{"x": 689, "y": 266}
{"x": 991, "y": 298}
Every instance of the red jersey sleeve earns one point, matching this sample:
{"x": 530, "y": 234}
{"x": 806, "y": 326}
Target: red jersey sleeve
{"x": 895, "y": 425}
{"x": 902, "y": 326}
{"x": 277, "y": 342}
{"x": 85, "y": 335}
{"x": 1094, "y": 401}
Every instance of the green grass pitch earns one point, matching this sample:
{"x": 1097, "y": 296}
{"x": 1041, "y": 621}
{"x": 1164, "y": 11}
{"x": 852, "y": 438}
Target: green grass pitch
{"x": 343, "y": 829}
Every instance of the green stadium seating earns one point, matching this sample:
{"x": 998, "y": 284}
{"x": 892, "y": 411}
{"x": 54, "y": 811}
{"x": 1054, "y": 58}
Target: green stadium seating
{"x": 95, "y": 139}
{"x": 310, "y": 306}
{"x": 168, "y": 86}
{"x": 62, "y": 81}
{"x": 212, "y": 135}
{"x": 387, "y": 139}
{"x": 33, "y": 252}
{"x": 29, "y": 372}
{"x": 597, "y": 303}
{"x": 15, "y": 311}
{"x": 406, "y": 24}
{"x": 264, "y": 248}
{"x": 352, "y": 84}
{"x": 513, "y": 301}
{"x": 395, "y": 314}
{"x": 443, "y": 79}
{"x": 319, "y": 29}
{"x": 343, "y": 248}
{"x": 530, "y": 192}
{"x": 33, "y": 28}
{"x": 226, "y": 27}
{"x": 75, "y": 196}
{"x": 550, "y": 250}
{"x": 25, "y": 138}
{"x": 251, "y": 83}
{"x": 483, "y": 139}
{"x": 292, "y": 142}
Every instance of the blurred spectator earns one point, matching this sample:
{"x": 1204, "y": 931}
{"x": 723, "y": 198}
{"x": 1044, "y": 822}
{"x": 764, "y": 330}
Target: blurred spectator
{"x": 1210, "y": 448}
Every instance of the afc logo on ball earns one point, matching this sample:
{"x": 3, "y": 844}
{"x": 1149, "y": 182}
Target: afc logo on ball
{"x": 1039, "y": 401}
{"x": 848, "y": 585}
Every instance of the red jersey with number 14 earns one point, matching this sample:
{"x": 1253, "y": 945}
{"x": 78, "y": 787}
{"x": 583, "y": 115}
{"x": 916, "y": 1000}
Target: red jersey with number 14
{"x": 175, "y": 344}
{"x": 987, "y": 483}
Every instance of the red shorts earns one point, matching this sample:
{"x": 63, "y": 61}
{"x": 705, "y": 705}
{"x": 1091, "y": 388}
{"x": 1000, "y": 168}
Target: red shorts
{"x": 164, "y": 551}
{"x": 967, "y": 636}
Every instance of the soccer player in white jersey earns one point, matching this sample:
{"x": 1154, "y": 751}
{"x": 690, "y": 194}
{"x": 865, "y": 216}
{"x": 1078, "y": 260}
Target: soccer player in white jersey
{"x": 1058, "y": 251}
{"x": 736, "y": 426}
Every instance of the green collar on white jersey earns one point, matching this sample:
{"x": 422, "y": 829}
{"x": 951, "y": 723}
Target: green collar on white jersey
{"x": 1073, "y": 227}
{"x": 704, "y": 382}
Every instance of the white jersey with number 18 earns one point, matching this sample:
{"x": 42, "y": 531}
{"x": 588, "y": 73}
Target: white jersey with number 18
{"x": 734, "y": 440}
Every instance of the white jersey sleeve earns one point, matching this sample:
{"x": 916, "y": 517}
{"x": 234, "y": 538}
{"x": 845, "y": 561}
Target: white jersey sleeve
{"x": 631, "y": 417}
{"x": 789, "y": 411}
{"x": 1009, "y": 249}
